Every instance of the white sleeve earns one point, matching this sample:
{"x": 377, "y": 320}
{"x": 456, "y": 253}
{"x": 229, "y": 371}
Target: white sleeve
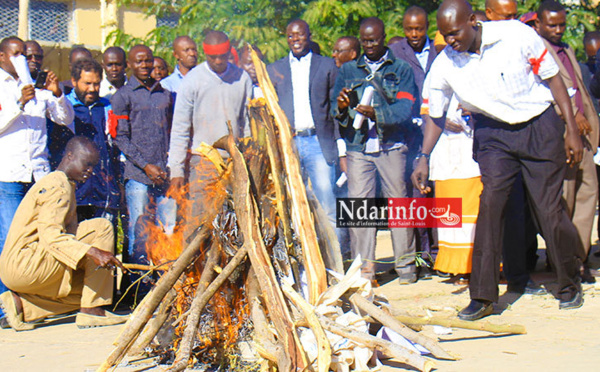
{"x": 534, "y": 50}
{"x": 9, "y": 108}
{"x": 59, "y": 110}
{"x": 436, "y": 91}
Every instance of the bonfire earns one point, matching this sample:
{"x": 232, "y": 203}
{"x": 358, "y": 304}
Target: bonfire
{"x": 260, "y": 285}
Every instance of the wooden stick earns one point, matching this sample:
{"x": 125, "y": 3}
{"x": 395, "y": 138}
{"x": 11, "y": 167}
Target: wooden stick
{"x": 393, "y": 324}
{"x": 246, "y": 211}
{"x": 301, "y": 214}
{"x": 130, "y": 266}
{"x": 164, "y": 285}
{"x": 204, "y": 293}
{"x": 375, "y": 343}
{"x": 154, "y": 324}
{"x": 328, "y": 241}
{"x": 324, "y": 348}
{"x": 515, "y": 329}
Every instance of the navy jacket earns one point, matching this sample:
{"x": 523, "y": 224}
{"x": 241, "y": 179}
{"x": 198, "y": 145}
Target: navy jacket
{"x": 321, "y": 80}
{"x": 393, "y": 115}
{"x": 102, "y": 188}
{"x": 403, "y": 51}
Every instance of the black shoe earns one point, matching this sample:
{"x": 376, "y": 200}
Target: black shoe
{"x": 425, "y": 273}
{"x": 407, "y": 278}
{"x": 530, "y": 289}
{"x": 476, "y": 310}
{"x": 574, "y": 303}
{"x": 4, "y": 323}
{"x": 586, "y": 276}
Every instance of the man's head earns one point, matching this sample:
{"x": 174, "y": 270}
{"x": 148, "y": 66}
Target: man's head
{"x": 114, "y": 62}
{"x": 591, "y": 43}
{"x": 551, "y": 21}
{"x": 77, "y": 53}
{"x": 141, "y": 63}
{"x": 501, "y": 10}
{"x": 86, "y": 75}
{"x": 415, "y": 26}
{"x": 298, "y": 37}
{"x": 160, "y": 70}
{"x": 35, "y": 57}
{"x": 246, "y": 63}
{"x": 185, "y": 52}
{"x": 372, "y": 38}
{"x": 217, "y": 47}
{"x": 345, "y": 49}
{"x": 80, "y": 157}
{"x": 458, "y": 25}
{"x": 10, "y": 46}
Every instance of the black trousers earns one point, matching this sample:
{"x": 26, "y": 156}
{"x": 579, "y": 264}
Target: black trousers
{"x": 535, "y": 148}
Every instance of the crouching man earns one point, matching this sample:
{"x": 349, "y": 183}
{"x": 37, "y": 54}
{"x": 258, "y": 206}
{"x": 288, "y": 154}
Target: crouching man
{"x": 52, "y": 265}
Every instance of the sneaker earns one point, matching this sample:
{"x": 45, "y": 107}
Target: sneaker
{"x": 574, "y": 303}
{"x": 83, "y": 320}
{"x": 407, "y": 278}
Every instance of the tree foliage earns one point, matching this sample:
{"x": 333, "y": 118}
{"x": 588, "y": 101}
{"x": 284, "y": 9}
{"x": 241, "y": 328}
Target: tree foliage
{"x": 263, "y": 22}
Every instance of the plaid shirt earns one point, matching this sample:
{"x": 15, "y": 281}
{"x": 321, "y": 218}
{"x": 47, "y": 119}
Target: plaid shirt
{"x": 501, "y": 81}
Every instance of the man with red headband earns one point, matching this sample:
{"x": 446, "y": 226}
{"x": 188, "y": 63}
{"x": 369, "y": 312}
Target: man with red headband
{"x": 210, "y": 95}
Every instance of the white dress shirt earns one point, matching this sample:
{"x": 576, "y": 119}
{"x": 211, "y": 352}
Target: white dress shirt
{"x": 23, "y": 134}
{"x": 499, "y": 82}
{"x": 300, "y": 82}
{"x": 424, "y": 55}
{"x": 107, "y": 89}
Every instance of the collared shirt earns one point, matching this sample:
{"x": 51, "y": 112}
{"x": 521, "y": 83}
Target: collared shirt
{"x": 23, "y": 134}
{"x": 564, "y": 59}
{"x": 300, "y": 82}
{"x": 424, "y": 55}
{"x": 107, "y": 90}
{"x": 500, "y": 81}
{"x": 173, "y": 81}
{"x": 143, "y": 137}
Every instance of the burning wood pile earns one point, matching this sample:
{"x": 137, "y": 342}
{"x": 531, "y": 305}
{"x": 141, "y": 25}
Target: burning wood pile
{"x": 253, "y": 279}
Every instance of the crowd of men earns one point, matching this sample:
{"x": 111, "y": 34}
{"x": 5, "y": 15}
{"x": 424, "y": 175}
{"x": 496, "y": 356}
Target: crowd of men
{"x": 83, "y": 153}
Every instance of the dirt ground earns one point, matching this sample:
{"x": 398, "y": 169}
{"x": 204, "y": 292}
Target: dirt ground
{"x": 555, "y": 340}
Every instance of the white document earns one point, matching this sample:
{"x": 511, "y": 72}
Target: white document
{"x": 20, "y": 65}
{"x": 365, "y": 100}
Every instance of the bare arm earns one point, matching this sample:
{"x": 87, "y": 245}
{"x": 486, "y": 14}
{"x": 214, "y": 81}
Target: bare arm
{"x": 432, "y": 133}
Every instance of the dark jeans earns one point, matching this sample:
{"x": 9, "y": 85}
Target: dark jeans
{"x": 535, "y": 148}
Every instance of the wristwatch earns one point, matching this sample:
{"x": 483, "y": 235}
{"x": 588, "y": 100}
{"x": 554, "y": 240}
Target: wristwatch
{"x": 422, "y": 155}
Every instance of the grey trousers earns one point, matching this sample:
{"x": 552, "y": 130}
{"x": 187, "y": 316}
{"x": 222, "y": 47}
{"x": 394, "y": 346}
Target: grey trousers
{"x": 363, "y": 170}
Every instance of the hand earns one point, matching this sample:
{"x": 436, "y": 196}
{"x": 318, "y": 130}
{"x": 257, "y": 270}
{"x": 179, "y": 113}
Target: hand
{"x": 104, "y": 259}
{"x": 465, "y": 112}
{"x": 156, "y": 175}
{"x": 367, "y": 111}
{"x": 344, "y": 164}
{"x": 27, "y": 94}
{"x": 582, "y": 123}
{"x": 343, "y": 100}
{"x": 573, "y": 147}
{"x": 420, "y": 175}
{"x": 453, "y": 127}
{"x": 52, "y": 84}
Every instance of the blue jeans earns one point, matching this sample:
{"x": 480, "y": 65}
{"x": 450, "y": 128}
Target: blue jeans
{"x": 320, "y": 173}
{"x": 146, "y": 204}
{"x": 11, "y": 194}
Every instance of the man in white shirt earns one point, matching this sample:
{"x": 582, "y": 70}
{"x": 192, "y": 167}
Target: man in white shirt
{"x": 185, "y": 52}
{"x": 23, "y": 133}
{"x": 502, "y": 73}
{"x": 114, "y": 63}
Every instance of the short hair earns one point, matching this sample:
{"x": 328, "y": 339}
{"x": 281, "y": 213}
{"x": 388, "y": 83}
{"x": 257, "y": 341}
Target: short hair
{"x": 549, "y": 6}
{"x": 416, "y": 10}
{"x": 79, "y": 142}
{"x": 7, "y": 40}
{"x": 78, "y": 48}
{"x": 116, "y": 49}
{"x": 591, "y": 35}
{"x": 354, "y": 43}
{"x": 87, "y": 65}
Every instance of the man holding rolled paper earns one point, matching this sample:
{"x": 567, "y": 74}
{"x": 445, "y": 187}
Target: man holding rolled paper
{"x": 375, "y": 131}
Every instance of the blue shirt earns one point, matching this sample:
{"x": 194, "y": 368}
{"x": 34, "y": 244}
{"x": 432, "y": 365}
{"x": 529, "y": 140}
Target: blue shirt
{"x": 173, "y": 81}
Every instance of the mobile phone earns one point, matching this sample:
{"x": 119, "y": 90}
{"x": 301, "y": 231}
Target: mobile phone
{"x": 40, "y": 80}
{"x": 353, "y": 97}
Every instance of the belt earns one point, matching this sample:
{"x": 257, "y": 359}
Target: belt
{"x": 306, "y": 132}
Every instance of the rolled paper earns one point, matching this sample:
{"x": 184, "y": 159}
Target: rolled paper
{"x": 365, "y": 100}
{"x": 216, "y": 49}
{"x": 20, "y": 65}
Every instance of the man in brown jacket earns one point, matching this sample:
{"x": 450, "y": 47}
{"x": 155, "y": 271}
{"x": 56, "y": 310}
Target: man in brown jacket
{"x": 580, "y": 189}
{"x": 50, "y": 263}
